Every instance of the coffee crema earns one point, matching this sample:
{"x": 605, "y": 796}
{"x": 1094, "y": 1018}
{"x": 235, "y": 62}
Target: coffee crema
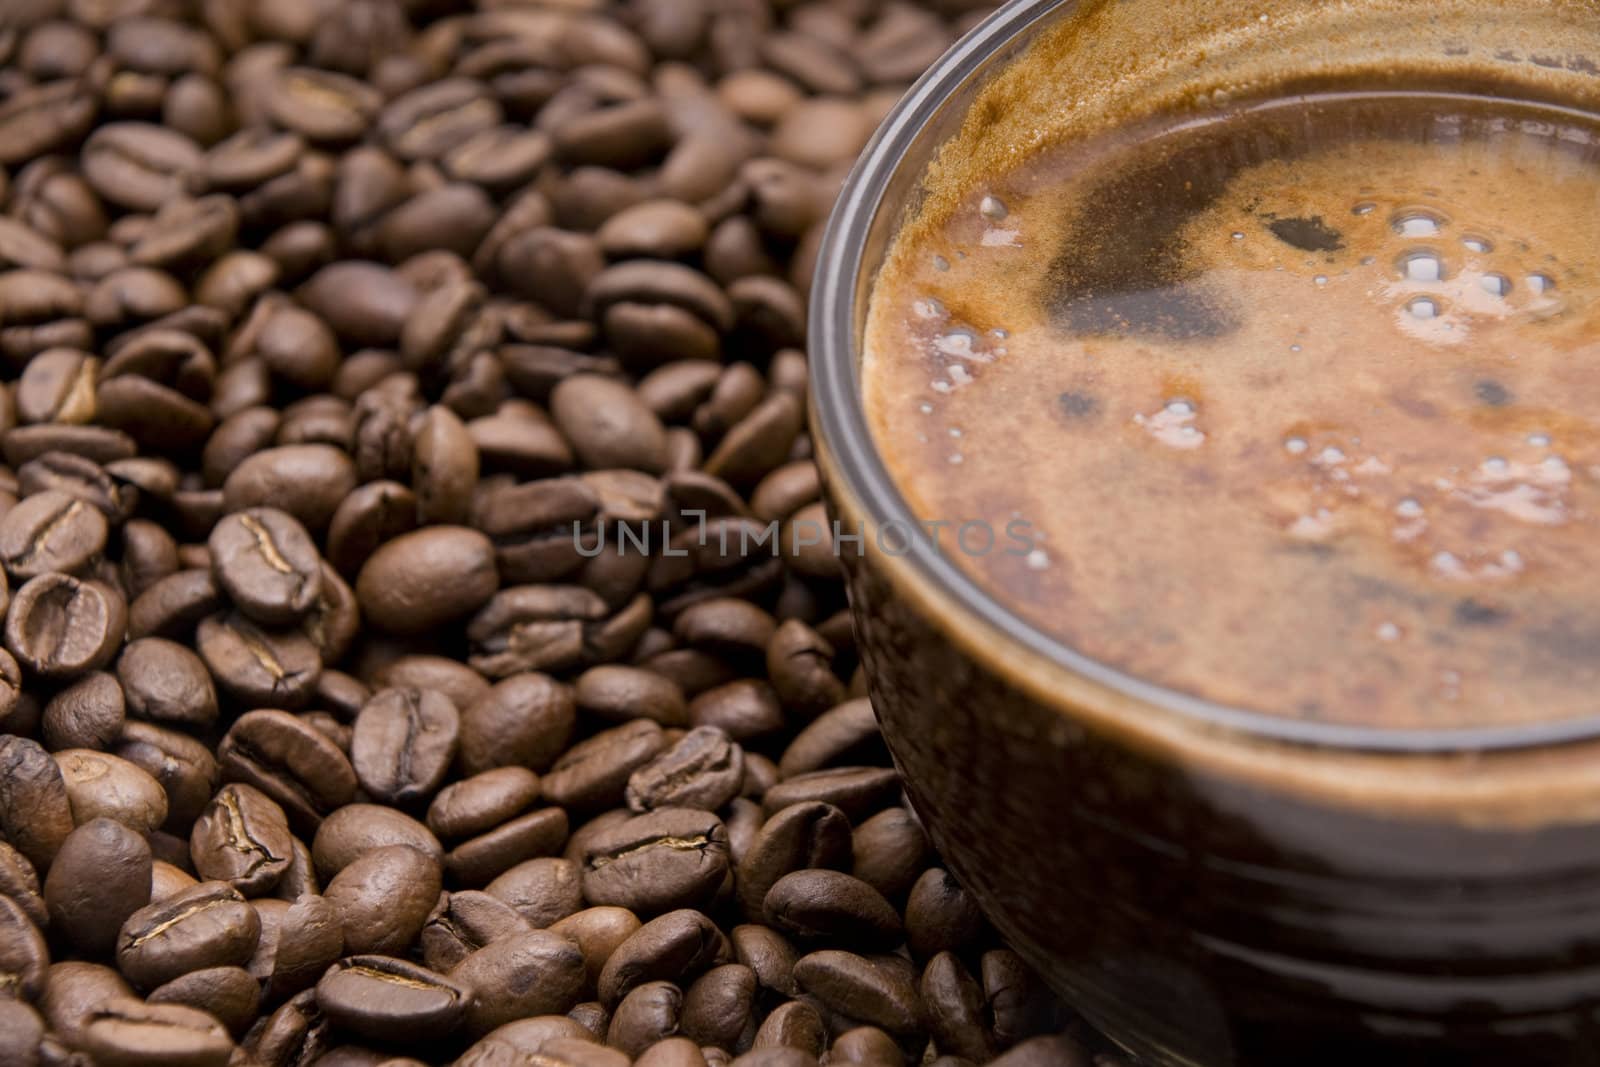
{"x": 1297, "y": 395}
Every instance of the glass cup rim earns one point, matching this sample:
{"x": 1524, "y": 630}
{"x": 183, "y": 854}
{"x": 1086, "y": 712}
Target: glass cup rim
{"x": 839, "y": 421}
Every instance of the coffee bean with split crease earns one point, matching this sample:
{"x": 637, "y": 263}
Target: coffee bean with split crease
{"x": 703, "y": 770}
{"x": 267, "y": 564}
{"x": 385, "y": 999}
{"x": 127, "y": 1032}
{"x": 428, "y": 122}
{"x": 465, "y": 921}
{"x": 57, "y": 385}
{"x": 87, "y": 714}
{"x": 799, "y": 837}
{"x": 207, "y": 925}
{"x": 242, "y": 838}
{"x": 290, "y": 762}
{"x": 172, "y": 606}
{"x": 59, "y": 626}
{"x": 139, "y": 166}
{"x": 41, "y": 118}
{"x": 51, "y": 531}
{"x": 259, "y": 667}
{"x": 480, "y": 859}
{"x": 99, "y": 878}
{"x": 672, "y": 858}
{"x": 675, "y": 947}
{"x": 24, "y": 956}
{"x": 384, "y": 897}
{"x": 404, "y": 742}
{"x": 594, "y": 773}
{"x": 164, "y": 681}
{"x": 521, "y": 976}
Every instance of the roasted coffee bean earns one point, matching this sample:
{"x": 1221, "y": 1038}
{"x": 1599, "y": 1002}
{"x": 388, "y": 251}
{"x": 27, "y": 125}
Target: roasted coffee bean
{"x": 793, "y": 1024}
{"x": 860, "y": 987}
{"x": 649, "y": 1013}
{"x": 100, "y": 784}
{"x": 387, "y": 999}
{"x": 267, "y": 564}
{"x": 383, "y": 898}
{"x": 425, "y": 579}
{"x": 866, "y": 1045}
{"x": 20, "y": 882}
{"x": 704, "y": 770}
{"x": 258, "y": 667}
{"x": 462, "y": 922}
{"x": 482, "y": 802}
{"x": 185, "y": 768}
{"x": 87, "y": 714}
{"x": 480, "y": 859}
{"x": 543, "y": 891}
{"x": 50, "y": 531}
{"x": 539, "y": 628}
{"x": 289, "y": 762}
{"x": 799, "y": 663}
{"x": 823, "y": 905}
{"x": 528, "y": 974}
{"x": 165, "y": 682}
{"x": 746, "y": 710}
{"x": 621, "y": 693}
{"x": 1056, "y": 1050}
{"x": 140, "y": 166}
{"x": 598, "y": 932}
{"x": 675, "y": 947}
{"x": 524, "y": 720}
{"x": 100, "y": 876}
{"x": 608, "y": 424}
{"x": 954, "y": 1004}
{"x": 127, "y": 1032}
{"x": 242, "y": 838}
{"x": 672, "y": 1052}
{"x": 719, "y": 1007}
{"x": 209, "y": 925}
{"x": 354, "y": 829}
{"x": 307, "y": 481}
{"x": 308, "y": 939}
{"x": 940, "y": 916}
{"x": 404, "y": 743}
{"x": 890, "y": 851}
{"x": 21, "y": 1033}
{"x": 803, "y": 836}
{"x": 173, "y": 605}
{"x": 856, "y": 791}
{"x": 454, "y": 679}
{"x": 229, "y": 994}
{"x": 667, "y": 859}
{"x": 1019, "y": 1007}
{"x": 767, "y": 953}
{"x": 594, "y": 773}
{"x": 24, "y": 956}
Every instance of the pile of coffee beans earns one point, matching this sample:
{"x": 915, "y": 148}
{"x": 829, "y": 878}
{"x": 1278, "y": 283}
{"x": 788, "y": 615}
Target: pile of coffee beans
{"x": 354, "y": 349}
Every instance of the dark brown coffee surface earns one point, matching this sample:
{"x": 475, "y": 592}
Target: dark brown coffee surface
{"x": 1289, "y": 406}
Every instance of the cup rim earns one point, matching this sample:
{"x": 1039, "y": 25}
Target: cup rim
{"x": 839, "y": 420}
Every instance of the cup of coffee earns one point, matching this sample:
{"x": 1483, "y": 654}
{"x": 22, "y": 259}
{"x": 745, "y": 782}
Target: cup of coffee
{"x": 1208, "y": 399}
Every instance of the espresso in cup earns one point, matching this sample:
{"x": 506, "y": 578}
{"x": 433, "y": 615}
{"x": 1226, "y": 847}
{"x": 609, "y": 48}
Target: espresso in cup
{"x": 1285, "y": 404}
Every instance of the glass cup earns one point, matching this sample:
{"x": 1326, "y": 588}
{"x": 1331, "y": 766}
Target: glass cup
{"x": 1206, "y": 884}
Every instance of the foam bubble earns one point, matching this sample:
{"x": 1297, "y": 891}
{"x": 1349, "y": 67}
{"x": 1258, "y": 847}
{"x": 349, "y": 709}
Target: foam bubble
{"x": 1417, "y": 222}
{"x": 1423, "y": 307}
{"x": 1422, "y": 265}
